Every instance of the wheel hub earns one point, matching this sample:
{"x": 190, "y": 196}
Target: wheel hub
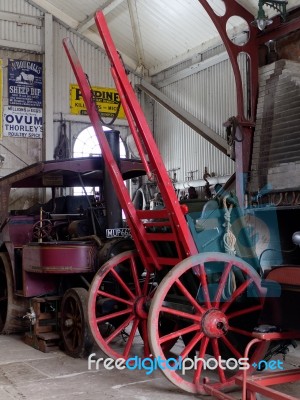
{"x": 140, "y": 307}
{"x": 69, "y": 322}
{"x": 214, "y": 323}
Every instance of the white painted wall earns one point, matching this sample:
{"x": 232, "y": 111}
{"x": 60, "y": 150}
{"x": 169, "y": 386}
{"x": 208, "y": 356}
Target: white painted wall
{"x": 210, "y": 96}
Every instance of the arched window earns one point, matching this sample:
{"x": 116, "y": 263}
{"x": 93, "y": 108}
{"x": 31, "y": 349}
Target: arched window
{"x": 86, "y": 145}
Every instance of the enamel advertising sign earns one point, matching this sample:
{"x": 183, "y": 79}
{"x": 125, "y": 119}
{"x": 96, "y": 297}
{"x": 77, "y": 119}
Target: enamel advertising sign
{"x": 22, "y": 122}
{"x": 25, "y": 83}
{"x": 107, "y": 101}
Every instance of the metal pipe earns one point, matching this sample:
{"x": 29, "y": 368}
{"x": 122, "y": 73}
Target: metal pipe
{"x": 113, "y": 208}
{"x": 202, "y": 182}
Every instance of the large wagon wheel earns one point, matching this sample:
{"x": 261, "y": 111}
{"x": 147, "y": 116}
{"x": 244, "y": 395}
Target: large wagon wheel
{"x": 216, "y": 300}
{"x": 76, "y": 334}
{"x": 117, "y": 307}
{"x": 12, "y": 307}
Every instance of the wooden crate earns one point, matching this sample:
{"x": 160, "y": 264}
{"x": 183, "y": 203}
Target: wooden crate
{"x": 45, "y": 333}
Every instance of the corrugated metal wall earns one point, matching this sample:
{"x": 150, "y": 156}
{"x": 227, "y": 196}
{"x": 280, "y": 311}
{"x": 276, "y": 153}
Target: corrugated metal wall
{"x": 210, "y": 96}
{"x": 19, "y": 7}
{"x": 95, "y": 64}
{"x": 26, "y": 33}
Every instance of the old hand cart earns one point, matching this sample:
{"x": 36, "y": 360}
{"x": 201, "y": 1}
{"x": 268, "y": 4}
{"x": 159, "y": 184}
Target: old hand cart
{"x": 192, "y": 289}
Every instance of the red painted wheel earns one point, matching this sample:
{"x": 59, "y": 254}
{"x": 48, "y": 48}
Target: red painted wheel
{"x": 118, "y": 304}
{"x": 216, "y": 300}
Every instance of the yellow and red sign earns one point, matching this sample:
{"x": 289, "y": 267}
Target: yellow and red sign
{"x": 107, "y": 101}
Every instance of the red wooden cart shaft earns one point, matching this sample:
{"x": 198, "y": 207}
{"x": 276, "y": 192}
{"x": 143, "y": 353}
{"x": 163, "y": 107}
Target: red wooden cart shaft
{"x": 131, "y": 124}
{"x": 258, "y": 384}
{"x": 135, "y": 224}
{"x": 179, "y": 234}
{"x": 156, "y": 162}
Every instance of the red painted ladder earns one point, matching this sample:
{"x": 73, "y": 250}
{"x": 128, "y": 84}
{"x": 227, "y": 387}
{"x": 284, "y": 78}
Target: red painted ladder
{"x": 145, "y": 225}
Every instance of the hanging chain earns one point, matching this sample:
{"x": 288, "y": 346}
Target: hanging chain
{"x": 98, "y": 110}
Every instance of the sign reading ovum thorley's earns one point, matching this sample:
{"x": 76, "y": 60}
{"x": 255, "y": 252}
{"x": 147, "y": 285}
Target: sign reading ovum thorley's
{"x": 23, "y": 122}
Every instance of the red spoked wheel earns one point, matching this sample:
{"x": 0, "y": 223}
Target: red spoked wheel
{"x": 119, "y": 298}
{"x": 215, "y": 300}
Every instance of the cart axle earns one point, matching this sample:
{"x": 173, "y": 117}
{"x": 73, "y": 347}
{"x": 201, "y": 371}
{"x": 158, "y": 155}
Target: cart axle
{"x": 214, "y": 323}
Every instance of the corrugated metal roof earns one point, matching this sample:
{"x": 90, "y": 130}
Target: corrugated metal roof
{"x": 151, "y": 35}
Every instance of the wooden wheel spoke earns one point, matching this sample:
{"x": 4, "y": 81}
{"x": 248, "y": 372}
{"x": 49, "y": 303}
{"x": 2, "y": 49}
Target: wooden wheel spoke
{"x": 77, "y": 310}
{"x": 179, "y": 313}
{"x": 130, "y": 338}
{"x": 143, "y": 327}
{"x": 143, "y": 324}
{"x": 68, "y": 332}
{"x": 107, "y": 317}
{"x": 135, "y": 276}
{"x": 71, "y": 306}
{"x": 113, "y": 297}
{"x": 119, "y": 329}
{"x": 74, "y": 337}
{"x": 146, "y": 284}
{"x": 189, "y": 347}
{"x": 122, "y": 283}
{"x": 179, "y": 333}
{"x": 230, "y": 346}
{"x": 241, "y": 331}
{"x": 204, "y": 285}
{"x": 116, "y": 306}
{"x": 203, "y": 346}
{"x": 217, "y": 355}
{"x": 144, "y": 335}
{"x": 235, "y": 294}
{"x": 245, "y": 311}
{"x": 222, "y": 283}
{"x": 77, "y": 338}
{"x": 191, "y": 299}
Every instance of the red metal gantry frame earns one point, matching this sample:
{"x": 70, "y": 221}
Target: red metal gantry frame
{"x": 243, "y": 152}
{"x": 245, "y": 118}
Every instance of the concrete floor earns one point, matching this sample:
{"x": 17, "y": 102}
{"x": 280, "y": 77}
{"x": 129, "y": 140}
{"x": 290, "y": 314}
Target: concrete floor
{"x": 28, "y": 374}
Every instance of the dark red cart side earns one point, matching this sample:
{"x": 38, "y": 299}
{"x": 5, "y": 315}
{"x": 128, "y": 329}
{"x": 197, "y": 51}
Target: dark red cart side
{"x": 51, "y": 246}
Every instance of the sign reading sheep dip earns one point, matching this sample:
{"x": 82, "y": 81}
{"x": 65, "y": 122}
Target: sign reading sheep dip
{"x": 23, "y": 117}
